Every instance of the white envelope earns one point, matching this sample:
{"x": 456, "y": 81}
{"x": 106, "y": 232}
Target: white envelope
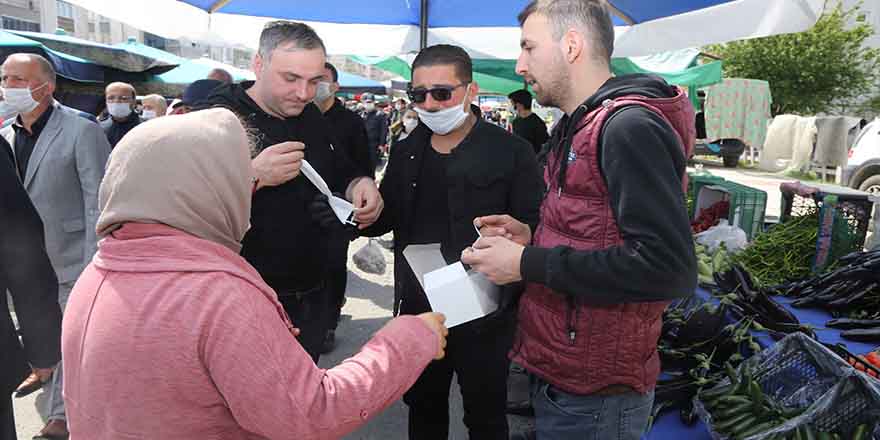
{"x": 342, "y": 208}
{"x": 460, "y": 295}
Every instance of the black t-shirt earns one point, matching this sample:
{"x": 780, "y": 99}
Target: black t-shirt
{"x": 431, "y": 220}
{"x": 533, "y": 129}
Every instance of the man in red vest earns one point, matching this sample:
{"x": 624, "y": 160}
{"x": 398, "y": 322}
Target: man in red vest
{"x": 613, "y": 246}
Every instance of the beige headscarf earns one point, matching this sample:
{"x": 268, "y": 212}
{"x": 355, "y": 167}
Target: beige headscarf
{"x": 191, "y": 172}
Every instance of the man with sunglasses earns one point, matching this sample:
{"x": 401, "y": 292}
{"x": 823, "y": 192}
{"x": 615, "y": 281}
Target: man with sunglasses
{"x": 453, "y": 167}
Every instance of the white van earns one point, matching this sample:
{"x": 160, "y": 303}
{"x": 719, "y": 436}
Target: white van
{"x": 862, "y": 170}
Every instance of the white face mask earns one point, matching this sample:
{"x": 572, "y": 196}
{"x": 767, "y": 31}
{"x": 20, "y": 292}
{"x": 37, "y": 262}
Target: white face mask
{"x": 323, "y": 92}
{"x": 21, "y": 100}
{"x": 118, "y": 110}
{"x": 148, "y": 114}
{"x": 399, "y": 107}
{"x": 410, "y": 124}
{"x": 444, "y": 121}
{"x": 369, "y": 107}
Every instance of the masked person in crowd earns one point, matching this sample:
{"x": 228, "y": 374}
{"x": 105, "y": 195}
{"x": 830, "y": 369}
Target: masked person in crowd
{"x": 451, "y": 168}
{"x": 408, "y": 122}
{"x": 154, "y": 107}
{"x": 377, "y": 127}
{"x": 613, "y": 247}
{"x": 284, "y": 244}
{"x": 172, "y": 335}
{"x": 120, "y": 108}
{"x": 60, "y": 157}
{"x": 349, "y": 133}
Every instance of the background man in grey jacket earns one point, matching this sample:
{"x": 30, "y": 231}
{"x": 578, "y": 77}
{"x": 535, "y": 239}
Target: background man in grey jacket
{"x": 60, "y": 157}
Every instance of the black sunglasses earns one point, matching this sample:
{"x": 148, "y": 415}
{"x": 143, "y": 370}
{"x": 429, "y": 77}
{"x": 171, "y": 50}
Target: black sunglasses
{"x": 440, "y": 93}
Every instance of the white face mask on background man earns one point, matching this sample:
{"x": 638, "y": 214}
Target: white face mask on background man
{"x": 323, "y": 92}
{"x": 410, "y": 124}
{"x": 368, "y": 107}
{"x": 148, "y": 114}
{"x": 20, "y": 100}
{"x": 119, "y": 110}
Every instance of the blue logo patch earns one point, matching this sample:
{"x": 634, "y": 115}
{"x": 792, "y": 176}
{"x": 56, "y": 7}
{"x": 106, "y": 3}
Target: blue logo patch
{"x": 572, "y": 156}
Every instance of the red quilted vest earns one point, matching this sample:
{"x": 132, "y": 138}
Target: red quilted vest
{"x": 577, "y": 347}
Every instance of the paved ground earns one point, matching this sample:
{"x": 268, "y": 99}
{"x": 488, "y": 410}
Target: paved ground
{"x": 369, "y": 307}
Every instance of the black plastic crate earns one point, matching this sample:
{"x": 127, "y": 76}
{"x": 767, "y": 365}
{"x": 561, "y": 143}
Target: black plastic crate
{"x": 798, "y": 372}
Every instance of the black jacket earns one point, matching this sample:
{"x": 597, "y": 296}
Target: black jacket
{"x": 115, "y": 131}
{"x": 490, "y": 172}
{"x": 377, "y": 128}
{"x": 642, "y": 162}
{"x": 26, "y": 273}
{"x": 284, "y": 244}
{"x": 350, "y": 134}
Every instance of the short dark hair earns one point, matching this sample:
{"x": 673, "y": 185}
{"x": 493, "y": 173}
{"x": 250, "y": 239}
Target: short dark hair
{"x": 521, "y": 97}
{"x": 588, "y": 16}
{"x": 333, "y": 71}
{"x": 281, "y": 32}
{"x": 446, "y": 55}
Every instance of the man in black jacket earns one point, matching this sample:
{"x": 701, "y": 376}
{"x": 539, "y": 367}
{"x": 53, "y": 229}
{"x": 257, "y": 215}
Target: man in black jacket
{"x": 284, "y": 244}
{"x": 377, "y": 127}
{"x": 527, "y": 124}
{"x": 351, "y": 136}
{"x": 452, "y": 167}
{"x": 121, "y": 117}
{"x": 25, "y": 272}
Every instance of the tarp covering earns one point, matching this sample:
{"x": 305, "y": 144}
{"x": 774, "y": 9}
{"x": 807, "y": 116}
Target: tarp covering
{"x": 115, "y": 57}
{"x": 66, "y": 66}
{"x": 486, "y": 28}
{"x": 499, "y": 76}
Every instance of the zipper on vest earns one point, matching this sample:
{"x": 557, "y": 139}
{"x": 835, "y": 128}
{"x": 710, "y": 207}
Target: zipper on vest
{"x": 572, "y": 311}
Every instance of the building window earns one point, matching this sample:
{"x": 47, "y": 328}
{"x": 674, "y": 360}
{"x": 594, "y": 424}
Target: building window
{"x": 67, "y": 24}
{"x": 105, "y": 27}
{"x": 16, "y": 24}
{"x": 64, "y": 9}
{"x": 153, "y": 40}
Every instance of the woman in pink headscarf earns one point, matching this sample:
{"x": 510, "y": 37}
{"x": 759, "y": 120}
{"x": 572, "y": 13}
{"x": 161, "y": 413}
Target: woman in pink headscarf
{"x": 170, "y": 334}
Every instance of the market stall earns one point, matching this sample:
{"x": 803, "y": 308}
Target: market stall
{"x": 781, "y": 339}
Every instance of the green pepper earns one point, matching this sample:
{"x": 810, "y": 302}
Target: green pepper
{"x": 861, "y": 432}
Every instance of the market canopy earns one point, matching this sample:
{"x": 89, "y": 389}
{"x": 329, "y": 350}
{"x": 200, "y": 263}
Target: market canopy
{"x": 499, "y": 76}
{"x": 105, "y": 55}
{"x": 66, "y": 66}
{"x": 487, "y": 28}
{"x": 187, "y": 70}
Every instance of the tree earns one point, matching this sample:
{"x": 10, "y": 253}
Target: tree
{"x": 823, "y": 69}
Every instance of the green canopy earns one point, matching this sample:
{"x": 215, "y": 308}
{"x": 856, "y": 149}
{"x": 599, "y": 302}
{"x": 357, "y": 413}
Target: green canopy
{"x": 499, "y": 76}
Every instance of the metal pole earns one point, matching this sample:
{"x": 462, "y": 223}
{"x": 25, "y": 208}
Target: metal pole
{"x": 423, "y": 25}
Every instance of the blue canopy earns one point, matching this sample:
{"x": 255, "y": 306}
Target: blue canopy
{"x": 66, "y": 66}
{"x": 351, "y": 83}
{"x": 105, "y": 55}
{"x": 442, "y": 13}
{"x": 485, "y": 28}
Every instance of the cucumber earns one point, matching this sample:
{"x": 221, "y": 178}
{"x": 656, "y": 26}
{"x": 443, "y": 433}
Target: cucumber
{"x": 727, "y": 425}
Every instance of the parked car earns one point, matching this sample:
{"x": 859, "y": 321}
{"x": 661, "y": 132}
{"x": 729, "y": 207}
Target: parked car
{"x": 862, "y": 170}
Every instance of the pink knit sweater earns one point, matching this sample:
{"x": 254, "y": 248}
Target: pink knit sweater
{"x": 168, "y": 336}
